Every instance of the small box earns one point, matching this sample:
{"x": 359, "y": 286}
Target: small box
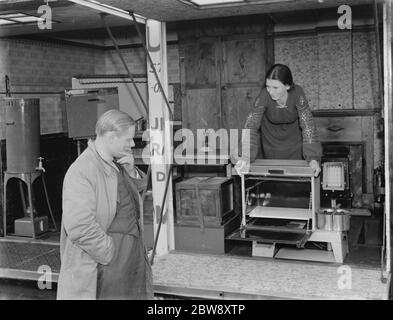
{"x": 84, "y": 107}
{"x": 24, "y": 226}
{"x": 204, "y": 198}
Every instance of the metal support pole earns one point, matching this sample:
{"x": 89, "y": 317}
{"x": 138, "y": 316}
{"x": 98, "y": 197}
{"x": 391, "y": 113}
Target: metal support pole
{"x": 388, "y": 123}
{"x": 125, "y": 64}
{"x": 143, "y": 196}
{"x": 161, "y": 215}
{"x": 48, "y": 203}
{"x": 378, "y": 47}
{"x": 5, "y": 208}
{"x": 244, "y": 205}
{"x": 31, "y": 204}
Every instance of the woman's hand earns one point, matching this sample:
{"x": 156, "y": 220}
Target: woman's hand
{"x": 315, "y": 167}
{"x": 242, "y": 167}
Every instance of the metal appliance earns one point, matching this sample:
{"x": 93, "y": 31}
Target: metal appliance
{"x": 280, "y": 202}
{"x": 24, "y": 164}
{"x": 335, "y": 190}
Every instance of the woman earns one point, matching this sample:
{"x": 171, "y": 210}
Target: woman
{"x": 282, "y": 114}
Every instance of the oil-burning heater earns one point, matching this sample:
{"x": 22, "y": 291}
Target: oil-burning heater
{"x": 280, "y": 206}
{"x": 24, "y": 164}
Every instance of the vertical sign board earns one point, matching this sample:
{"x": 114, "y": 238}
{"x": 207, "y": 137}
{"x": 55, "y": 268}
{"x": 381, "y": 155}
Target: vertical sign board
{"x": 160, "y": 134}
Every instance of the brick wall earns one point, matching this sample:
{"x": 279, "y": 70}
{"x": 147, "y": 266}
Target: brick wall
{"x": 36, "y": 67}
{"x": 49, "y": 67}
{"x": 43, "y": 70}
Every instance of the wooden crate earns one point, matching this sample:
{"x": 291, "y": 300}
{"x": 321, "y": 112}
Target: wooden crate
{"x": 204, "y": 201}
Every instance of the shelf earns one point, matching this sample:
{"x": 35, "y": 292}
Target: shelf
{"x": 281, "y": 213}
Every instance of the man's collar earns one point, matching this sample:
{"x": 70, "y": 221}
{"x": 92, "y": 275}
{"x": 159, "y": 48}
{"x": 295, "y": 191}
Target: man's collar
{"x": 107, "y": 166}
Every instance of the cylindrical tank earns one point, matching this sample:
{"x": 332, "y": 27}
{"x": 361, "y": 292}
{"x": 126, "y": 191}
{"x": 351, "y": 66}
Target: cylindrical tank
{"x": 22, "y": 134}
{"x": 341, "y": 220}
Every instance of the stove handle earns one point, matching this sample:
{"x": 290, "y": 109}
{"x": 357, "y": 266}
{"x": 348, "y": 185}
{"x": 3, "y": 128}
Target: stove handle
{"x": 275, "y": 171}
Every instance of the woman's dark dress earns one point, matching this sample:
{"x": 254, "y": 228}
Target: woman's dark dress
{"x": 128, "y": 276}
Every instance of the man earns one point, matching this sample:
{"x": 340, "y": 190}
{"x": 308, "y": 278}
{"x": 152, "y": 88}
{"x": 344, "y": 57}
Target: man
{"x": 101, "y": 243}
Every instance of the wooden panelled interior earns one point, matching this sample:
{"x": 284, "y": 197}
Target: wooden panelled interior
{"x": 222, "y": 67}
{"x": 216, "y": 67}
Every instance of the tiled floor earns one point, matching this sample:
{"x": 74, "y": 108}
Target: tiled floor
{"x": 19, "y": 257}
{"x": 29, "y": 256}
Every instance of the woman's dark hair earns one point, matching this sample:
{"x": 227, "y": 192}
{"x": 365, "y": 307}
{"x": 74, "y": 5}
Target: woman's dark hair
{"x": 282, "y": 73}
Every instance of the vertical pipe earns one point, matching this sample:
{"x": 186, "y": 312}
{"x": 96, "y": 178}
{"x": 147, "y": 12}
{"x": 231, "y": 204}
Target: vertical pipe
{"x": 313, "y": 204}
{"x": 161, "y": 215}
{"x": 31, "y": 205}
{"x": 5, "y": 209}
{"x": 148, "y": 174}
{"x": 378, "y": 46}
{"x": 2, "y": 187}
{"x": 48, "y": 203}
{"x": 243, "y": 190}
{"x": 387, "y": 48}
{"x": 352, "y": 72}
{"x": 125, "y": 65}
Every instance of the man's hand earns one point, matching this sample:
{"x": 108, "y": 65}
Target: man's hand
{"x": 315, "y": 167}
{"x": 127, "y": 159}
{"x": 128, "y": 162}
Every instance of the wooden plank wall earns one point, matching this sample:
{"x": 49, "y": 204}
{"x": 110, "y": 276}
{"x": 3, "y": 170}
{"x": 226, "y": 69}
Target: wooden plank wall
{"x": 338, "y": 71}
{"x": 222, "y": 67}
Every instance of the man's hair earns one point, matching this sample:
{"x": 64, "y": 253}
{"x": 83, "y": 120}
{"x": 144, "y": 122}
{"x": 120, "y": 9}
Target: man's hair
{"x": 113, "y": 120}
